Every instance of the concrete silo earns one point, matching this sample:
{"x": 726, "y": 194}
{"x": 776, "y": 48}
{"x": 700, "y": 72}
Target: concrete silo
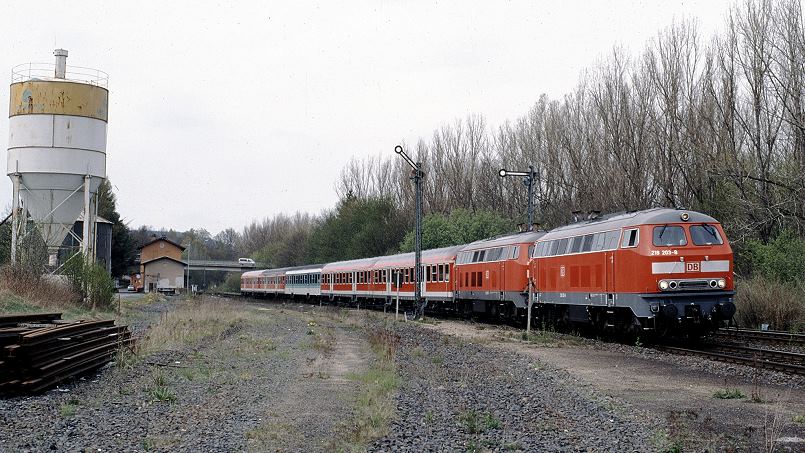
{"x": 56, "y": 151}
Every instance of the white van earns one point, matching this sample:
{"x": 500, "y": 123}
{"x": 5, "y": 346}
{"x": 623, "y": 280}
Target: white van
{"x": 245, "y": 261}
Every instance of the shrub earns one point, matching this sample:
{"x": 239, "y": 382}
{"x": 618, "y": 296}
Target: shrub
{"x": 778, "y": 260}
{"x": 231, "y": 284}
{"x": 763, "y": 301}
{"x": 91, "y": 282}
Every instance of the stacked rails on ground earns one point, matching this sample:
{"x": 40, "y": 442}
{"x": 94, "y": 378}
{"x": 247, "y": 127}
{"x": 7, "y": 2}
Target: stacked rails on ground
{"x": 38, "y": 351}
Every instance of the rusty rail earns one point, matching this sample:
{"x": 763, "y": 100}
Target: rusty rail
{"x": 766, "y": 336}
{"x": 787, "y": 362}
{"x": 41, "y": 350}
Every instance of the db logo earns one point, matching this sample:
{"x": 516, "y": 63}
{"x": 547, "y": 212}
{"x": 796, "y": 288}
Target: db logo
{"x": 692, "y": 267}
{"x": 562, "y": 271}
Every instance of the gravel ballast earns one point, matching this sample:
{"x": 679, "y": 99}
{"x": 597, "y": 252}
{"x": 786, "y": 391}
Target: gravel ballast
{"x": 464, "y": 396}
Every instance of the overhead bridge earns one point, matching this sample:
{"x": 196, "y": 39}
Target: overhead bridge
{"x": 228, "y": 266}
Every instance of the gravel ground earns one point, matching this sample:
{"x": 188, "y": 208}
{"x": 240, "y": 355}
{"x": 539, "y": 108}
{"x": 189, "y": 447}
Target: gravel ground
{"x": 464, "y": 396}
{"x": 260, "y": 386}
{"x": 677, "y": 392}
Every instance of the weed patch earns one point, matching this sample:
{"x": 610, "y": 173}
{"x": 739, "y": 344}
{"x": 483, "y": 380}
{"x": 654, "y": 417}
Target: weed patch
{"x": 163, "y": 394}
{"x": 69, "y": 408}
{"x": 475, "y": 423}
{"x": 729, "y": 394}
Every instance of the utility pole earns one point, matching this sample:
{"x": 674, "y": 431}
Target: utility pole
{"x": 416, "y": 175}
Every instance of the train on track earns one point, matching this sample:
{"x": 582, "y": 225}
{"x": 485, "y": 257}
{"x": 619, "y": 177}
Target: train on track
{"x": 659, "y": 271}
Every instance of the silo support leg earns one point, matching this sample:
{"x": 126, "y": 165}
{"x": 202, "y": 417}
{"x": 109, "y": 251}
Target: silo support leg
{"x": 85, "y": 238}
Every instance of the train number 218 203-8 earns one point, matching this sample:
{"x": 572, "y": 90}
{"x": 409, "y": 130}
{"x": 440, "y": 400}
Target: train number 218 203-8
{"x": 673, "y": 252}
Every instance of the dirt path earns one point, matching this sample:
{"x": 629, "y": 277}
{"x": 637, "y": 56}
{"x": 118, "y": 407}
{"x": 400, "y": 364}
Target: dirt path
{"x": 673, "y": 391}
{"x": 308, "y": 413}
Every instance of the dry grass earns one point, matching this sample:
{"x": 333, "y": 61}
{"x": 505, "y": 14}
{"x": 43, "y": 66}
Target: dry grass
{"x": 36, "y": 291}
{"x": 760, "y": 301}
{"x": 190, "y": 323}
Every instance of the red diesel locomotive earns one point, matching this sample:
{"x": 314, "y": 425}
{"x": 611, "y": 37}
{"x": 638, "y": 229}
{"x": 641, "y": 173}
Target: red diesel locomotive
{"x": 658, "y": 269}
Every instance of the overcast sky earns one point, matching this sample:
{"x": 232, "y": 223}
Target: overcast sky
{"x": 223, "y": 112}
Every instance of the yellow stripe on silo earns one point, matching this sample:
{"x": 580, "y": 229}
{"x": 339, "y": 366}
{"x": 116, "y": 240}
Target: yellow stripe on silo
{"x": 59, "y": 98}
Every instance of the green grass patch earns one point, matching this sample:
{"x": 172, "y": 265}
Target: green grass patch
{"x": 163, "y": 394}
{"x": 475, "y": 422}
{"x": 729, "y": 394}
{"x": 799, "y": 419}
{"x": 69, "y": 408}
{"x": 11, "y": 303}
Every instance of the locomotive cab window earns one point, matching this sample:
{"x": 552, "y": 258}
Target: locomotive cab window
{"x": 631, "y": 238}
{"x": 669, "y": 236}
{"x": 705, "y": 234}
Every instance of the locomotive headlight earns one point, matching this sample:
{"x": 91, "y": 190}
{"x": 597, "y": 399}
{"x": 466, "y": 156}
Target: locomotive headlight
{"x": 722, "y": 283}
{"x": 663, "y": 285}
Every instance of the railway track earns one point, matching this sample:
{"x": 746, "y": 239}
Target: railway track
{"x": 787, "y": 362}
{"x": 765, "y": 336}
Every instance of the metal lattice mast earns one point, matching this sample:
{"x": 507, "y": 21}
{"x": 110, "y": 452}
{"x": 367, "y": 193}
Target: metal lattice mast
{"x": 416, "y": 175}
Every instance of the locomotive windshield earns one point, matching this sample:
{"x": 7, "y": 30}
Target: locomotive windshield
{"x": 668, "y": 236}
{"x": 705, "y": 234}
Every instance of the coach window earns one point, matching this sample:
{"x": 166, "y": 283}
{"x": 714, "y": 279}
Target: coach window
{"x": 630, "y": 238}
{"x": 612, "y": 240}
{"x": 562, "y": 246}
{"x": 587, "y": 246}
{"x": 447, "y": 272}
{"x": 540, "y": 250}
{"x": 434, "y": 273}
{"x": 669, "y": 236}
{"x": 575, "y": 247}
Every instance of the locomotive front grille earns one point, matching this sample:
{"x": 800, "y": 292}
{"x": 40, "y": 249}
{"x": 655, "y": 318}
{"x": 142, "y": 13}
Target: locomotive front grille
{"x": 694, "y": 284}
